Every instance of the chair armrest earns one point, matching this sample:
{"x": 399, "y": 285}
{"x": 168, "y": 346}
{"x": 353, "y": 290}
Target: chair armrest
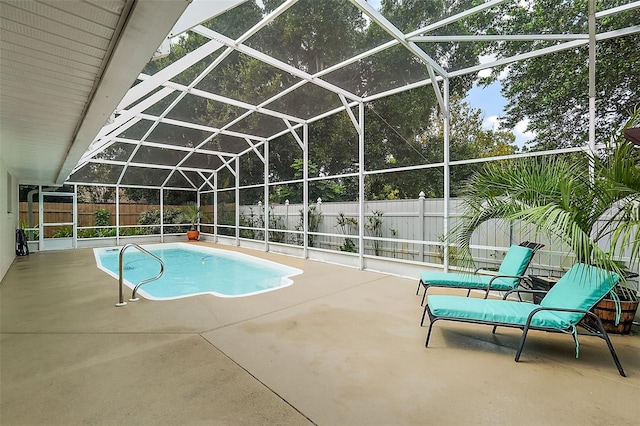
{"x": 524, "y": 290}
{"x": 475, "y": 272}
{"x": 543, "y": 308}
{"x": 519, "y": 277}
{"x": 487, "y": 271}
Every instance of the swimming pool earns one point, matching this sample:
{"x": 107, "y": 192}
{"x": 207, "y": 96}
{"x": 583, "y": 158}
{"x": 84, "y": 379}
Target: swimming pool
{"x": 192, "y": 269}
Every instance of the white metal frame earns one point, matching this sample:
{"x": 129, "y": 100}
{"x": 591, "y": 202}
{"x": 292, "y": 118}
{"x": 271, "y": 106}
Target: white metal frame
{"x": 128, "y": 113}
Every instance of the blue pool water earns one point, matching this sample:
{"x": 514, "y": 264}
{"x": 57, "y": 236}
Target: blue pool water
{"x": 191, "y": 270}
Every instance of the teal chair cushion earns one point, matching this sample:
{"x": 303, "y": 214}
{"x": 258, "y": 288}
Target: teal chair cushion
{"x": 443, "y": 279}
{"x": 580, "y": 288}
{"x": 516, "y": 261}
{"x": 493, "y": 310}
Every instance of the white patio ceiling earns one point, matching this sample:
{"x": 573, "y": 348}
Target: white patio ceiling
{"x": 65, "y": 64}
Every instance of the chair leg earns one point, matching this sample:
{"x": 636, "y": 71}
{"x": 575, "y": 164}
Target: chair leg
{"x": 521, "y": 345}
{"x": 426, "y": 343}
{"x": 605, "y": 336}
{"x": 424, "y": 296}
{"x": 418, "y": 289}
{"x": 613, "y": 354}
{"x": 424, "y": 313}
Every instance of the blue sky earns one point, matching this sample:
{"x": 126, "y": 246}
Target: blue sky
{"x": 488, "y": 99}
{"x": 492, "y": 103}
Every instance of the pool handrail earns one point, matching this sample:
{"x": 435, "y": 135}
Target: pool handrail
{"x": 121, "y": 274}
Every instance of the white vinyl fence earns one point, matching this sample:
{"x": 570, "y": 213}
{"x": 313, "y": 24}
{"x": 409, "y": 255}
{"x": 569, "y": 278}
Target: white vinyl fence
{"x": 410, "y": 230}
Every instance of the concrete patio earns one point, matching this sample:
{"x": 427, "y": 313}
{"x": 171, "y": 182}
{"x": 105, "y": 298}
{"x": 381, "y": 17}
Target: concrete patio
{"x": 338, "y": 347}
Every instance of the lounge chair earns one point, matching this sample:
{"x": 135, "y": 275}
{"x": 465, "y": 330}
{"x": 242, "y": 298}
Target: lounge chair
{"x": 563, "y": 307}
{"x": 511, "y": 272}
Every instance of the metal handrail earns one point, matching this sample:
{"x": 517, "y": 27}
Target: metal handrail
{"x": 121, "y": 274}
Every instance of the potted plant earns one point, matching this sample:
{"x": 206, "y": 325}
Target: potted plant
{"x": 192, "y": 213}
{"x": 590, "y": 203}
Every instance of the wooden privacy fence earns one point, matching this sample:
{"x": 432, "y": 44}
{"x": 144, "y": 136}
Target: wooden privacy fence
{"x": 63, "y": 212}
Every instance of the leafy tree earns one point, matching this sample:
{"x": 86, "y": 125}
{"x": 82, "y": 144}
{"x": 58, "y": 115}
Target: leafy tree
{"x": 152, "y": 196}
{"x": 307, "y": 36}
{"x": 467, "y": 140}
{"x": 398, "y": 126}
{"x": 551, "y": 90}
{"x": 328, "y": 190}
{"x": 282, "y": 153}
{"x": 312, "y": 35}
{"x": 333, "y": 144}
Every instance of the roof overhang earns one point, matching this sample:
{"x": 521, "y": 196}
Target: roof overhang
{"x": 38, "y": 146}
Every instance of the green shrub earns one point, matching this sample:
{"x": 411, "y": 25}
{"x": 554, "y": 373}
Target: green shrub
{"x": 102, "y": 217}
{"x": 64, "y": 232}
{"x": 314, "y": 218}
{"x": 171, "y": 215}
{"x": 347, "y": 225}
{"x": 127, "y": 232}
{"x": 374, "y": 229}
{"x": 276, "y": 222}
{"x": 253, "y": 220}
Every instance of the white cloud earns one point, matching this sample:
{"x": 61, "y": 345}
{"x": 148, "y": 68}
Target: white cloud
{"x": 521, "y": 129}
{"x": 491, "y": 123}
{"x": 486, "y": 59}
{"x": 503, "y": 74}
{"x": 522, "y": 134}
{"x": 484, "y": 73}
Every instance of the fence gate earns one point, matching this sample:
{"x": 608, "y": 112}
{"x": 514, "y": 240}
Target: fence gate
{"x": 60, "y": 232}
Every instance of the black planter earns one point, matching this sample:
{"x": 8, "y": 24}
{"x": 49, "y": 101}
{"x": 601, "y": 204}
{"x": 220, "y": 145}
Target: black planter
{"x": 541, "y": 283}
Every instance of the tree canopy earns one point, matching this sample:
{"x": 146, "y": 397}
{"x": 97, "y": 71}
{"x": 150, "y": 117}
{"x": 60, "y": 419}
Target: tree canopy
{"x": 551, "y": 91}
{"x": 402, "y": 130}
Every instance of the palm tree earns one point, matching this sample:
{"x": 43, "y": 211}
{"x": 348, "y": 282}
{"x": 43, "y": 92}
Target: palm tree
{"x": 193, "y": 214}
{"x": 585, "y": 201}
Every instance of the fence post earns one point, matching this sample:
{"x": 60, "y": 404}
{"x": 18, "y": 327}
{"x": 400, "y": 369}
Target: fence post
{"x": 266, "y": 195}
{"x": 319, "y": 205}
{"x": 261, "y": 212}
{"x": 421, "y": 201}
{"x": 286, "y": 220}
{"x": 216, "y": 208}
{"x": 237, "y": 195}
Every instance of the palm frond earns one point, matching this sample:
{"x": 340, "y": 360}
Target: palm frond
{"x": 577, "y": 199}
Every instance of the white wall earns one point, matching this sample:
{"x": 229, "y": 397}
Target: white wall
{"x": 8, "y": 218}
